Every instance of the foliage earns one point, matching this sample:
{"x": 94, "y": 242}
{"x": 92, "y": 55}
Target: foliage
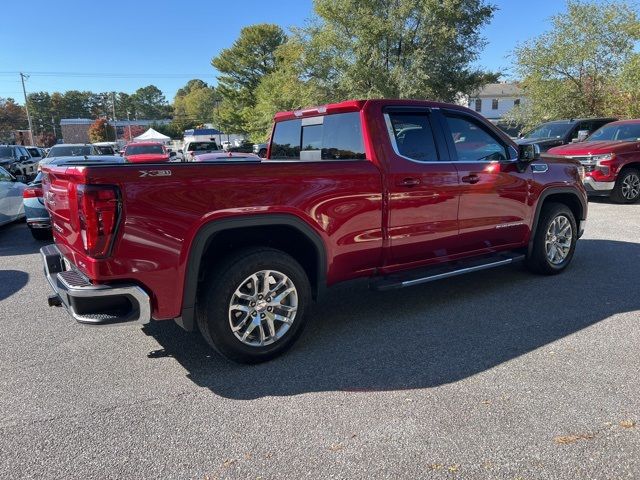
{"x": 101, "y": 131}
{"x": 241, "y": 67}
{"x": 397, "y": 49}
{"x": 194, "y": 103}
{"x": 149, "y": 103}
{"x": 583, "y": 66}
{"x": 12, "y": 117}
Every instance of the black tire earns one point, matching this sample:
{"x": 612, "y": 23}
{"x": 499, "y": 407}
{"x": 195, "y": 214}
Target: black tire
{"x": 537, "y": 260}
{"x": 626, "y": 175}
{"x": 214, "y": 300}
{"x": 41, "y": 234}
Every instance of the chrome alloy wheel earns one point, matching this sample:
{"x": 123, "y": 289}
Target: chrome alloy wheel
{"x": 557, "y": 242}
{"x": 263, "y": 308}
{"x": 631, "y": 186}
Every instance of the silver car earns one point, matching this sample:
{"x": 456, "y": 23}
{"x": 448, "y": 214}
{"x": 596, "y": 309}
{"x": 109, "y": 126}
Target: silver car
{"x": 11, "y": 207}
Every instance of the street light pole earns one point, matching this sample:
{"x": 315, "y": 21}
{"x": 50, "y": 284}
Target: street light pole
{"x": 26, "y": 107}
{"x": 113, "y": 105}
{"x": 129, "y": 124}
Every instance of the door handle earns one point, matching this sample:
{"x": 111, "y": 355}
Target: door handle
{"x": 473, "y": 178}
{"x": 410, "y": 182}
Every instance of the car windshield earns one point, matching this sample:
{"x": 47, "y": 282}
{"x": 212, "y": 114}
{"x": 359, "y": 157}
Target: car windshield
{"x": 5, "y": 152}
{"x": 105, "y": 150}
{"x": 202, "y": 146}
{"x": 617, "y": 132}
{"x": 550, "y": 130}
{"x": 69, "y": 151}
{"x": 143, "y": 149}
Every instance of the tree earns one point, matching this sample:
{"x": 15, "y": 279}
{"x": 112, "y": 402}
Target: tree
{"x": 396, "y": 49}
{"x": 194, "y": 103}
{"x": 283, "y": 89}
{"x": 101, "y": 131}
{"x": 241, "y": 68}
{"x": 12, "y": 117}
{"x": 47, "y": 139}
{"x": 149, "y": 103}
{"x": 577, "y": 68}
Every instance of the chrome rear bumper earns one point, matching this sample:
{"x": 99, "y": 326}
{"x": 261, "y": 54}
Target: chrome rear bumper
{"x": 89, "y": 303}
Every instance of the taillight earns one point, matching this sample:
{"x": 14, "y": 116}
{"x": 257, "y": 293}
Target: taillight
{"x": 32, "y": 192}
{"x": 98, "y": 213}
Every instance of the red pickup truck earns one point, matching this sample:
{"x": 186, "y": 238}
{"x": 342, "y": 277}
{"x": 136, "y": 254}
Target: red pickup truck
{"x": 611, "y": 158}
{"x": 400, "y": 191}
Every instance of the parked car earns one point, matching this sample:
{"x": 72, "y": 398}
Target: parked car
{"x": 562, "y": 132}
{"x": 11, "y": 208}
{"x": 260, "y": 149}
{"x": 225, "y": 156}
{"x": 403, "y": 192}
{"x": 225, "y": 144}
{"x": 37, "y": 216}
{"x": 611, "y": 158}
{"x": 36, "y": 153}
{"x": 17, "y": 160}
{"x": 70, "y": 150}
{"x": 146, "y": 152}
{"x": 191, "y": 149}
{"x": 107, "y": 148}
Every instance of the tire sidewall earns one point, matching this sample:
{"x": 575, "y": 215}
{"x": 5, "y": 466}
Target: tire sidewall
{"x": 552, "y": 214}
{"x": 618, "y": 194}
{"x": 219, "y": 298}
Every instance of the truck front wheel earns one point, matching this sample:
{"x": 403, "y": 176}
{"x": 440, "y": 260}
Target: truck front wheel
{"x": 555, "y": 240}
{"x": 252, "y": 307}
{"x": 627, "y": 189}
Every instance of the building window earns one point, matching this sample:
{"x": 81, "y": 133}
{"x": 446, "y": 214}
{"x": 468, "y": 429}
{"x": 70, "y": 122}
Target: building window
{"x": 516, "y": 102}
{"x": 494, "y": 104}
{"x": 478, "y": 104}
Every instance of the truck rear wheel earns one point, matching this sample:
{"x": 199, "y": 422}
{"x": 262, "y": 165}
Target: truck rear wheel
{"x": 252, "y": 307}
{"x": 555, "y": 240}
{"x": 627, "y": 189}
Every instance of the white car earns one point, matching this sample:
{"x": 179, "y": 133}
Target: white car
{"x": 11, "y": 206}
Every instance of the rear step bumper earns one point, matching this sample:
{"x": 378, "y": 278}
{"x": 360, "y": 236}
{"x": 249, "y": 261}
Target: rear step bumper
{"x": 89, "y": 303}
{"x": 439, "y": 272}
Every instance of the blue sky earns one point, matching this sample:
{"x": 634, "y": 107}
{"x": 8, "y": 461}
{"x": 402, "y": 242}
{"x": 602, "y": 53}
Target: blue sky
{"x": 166, "y": 43}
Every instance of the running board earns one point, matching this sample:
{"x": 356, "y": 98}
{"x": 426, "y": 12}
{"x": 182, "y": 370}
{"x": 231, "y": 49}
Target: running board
{"x": 417, "y": 277}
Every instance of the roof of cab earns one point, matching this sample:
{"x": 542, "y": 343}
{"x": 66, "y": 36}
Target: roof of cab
{"x": 357, "y": 105}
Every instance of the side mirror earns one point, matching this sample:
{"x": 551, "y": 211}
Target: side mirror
{"x": 23, "y": 158}
{"x": 528, "y": 153}
{"x": 172, "y": 154}
{"x": 582, "y": 135}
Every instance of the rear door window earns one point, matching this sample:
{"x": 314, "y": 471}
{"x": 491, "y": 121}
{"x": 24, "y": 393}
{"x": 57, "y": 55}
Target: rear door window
{"x": 330, "y": 137}
{"x": 412, "y": 136}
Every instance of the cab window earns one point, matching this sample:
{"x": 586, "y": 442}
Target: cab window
{"x": 474, "y": 142}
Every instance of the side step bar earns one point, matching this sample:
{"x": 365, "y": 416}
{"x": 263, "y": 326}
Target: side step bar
{"x": 417, "y": 277}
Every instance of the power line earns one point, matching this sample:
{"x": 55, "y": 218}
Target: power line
{"x": 111, "y": 75}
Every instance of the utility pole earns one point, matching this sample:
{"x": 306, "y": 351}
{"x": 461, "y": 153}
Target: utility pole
{"x": 129, "y": 123}
{"x": 113, "y": 106}
{"x": 53, "y": 124}
{"x": 26, "y": 106}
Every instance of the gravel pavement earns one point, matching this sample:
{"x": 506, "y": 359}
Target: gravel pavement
{"x": 495, "y": 375}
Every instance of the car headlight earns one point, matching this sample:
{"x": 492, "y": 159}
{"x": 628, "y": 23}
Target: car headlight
{"x": 602, "y": 162}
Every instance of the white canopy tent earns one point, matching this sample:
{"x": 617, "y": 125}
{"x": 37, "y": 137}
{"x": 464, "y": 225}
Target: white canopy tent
{"x": 151, "y": 136}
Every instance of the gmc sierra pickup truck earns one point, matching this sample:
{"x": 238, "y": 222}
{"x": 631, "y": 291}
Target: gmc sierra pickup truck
{"x": 400, "y": 191}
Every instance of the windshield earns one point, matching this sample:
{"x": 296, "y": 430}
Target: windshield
{"x": 143, "y": 149}
{"x": 617, "y": 132}
{"x": 550, "y": 130}
{"x": 202, "y": 146}
{"x": 69, "y": 151}
{"x": 5, "y": 152}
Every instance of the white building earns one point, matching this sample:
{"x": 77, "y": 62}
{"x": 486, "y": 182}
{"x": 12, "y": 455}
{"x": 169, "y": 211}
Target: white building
{"x": 494, "y": 100}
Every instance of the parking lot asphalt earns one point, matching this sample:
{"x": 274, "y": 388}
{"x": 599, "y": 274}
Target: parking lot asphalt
{"x": 496, "y": 375}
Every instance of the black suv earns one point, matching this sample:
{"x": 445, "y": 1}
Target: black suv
{"x": 562, "y": 132}
{"x": 17, "y": 160}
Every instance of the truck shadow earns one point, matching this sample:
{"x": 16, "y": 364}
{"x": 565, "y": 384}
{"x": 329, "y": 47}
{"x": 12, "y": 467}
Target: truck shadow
{"x": 425, "y": 336}
{"x": 16, "y": 239}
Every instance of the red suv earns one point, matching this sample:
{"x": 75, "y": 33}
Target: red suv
{"x": 611, "y": 158}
